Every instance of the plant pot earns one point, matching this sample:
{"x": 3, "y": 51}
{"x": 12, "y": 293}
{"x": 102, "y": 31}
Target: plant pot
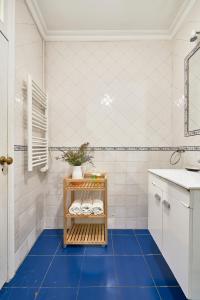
{"x": 77, "y": 172}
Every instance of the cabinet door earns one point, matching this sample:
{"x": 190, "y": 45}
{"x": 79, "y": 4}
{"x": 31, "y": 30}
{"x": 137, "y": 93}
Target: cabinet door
{"x": 155, "y": 212}
{"x": 176, "y": 227}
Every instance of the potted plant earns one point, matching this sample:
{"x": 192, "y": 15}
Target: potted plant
{"x": 77, "y": 158}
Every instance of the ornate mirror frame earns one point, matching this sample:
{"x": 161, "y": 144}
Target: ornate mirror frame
{"x": 186, "y": 93}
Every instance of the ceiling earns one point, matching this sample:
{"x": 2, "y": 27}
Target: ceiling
{"x": 67, "y": 17}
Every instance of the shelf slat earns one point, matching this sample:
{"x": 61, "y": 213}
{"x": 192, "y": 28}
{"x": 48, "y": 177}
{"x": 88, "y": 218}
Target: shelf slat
{"x": 85, "y": 234}
{"x": 92, "y": 216}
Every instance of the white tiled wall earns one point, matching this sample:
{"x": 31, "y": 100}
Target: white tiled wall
{"x": 133, "y": 78}
{"x": 127, "y": 192}
{"x": 30, "y": 188}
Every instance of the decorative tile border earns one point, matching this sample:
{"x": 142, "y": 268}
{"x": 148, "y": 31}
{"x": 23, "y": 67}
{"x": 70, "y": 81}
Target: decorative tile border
{"x": 20, "y": 148}
{"x": 63, "y": 148}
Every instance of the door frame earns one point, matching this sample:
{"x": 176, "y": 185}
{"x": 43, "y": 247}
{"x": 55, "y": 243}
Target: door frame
{"x": 11, "y": 101}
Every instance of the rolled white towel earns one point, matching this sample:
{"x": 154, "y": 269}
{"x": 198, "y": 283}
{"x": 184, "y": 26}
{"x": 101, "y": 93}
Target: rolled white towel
{"x": 97, "y": 207}
{"x": 75, "y": 208}
{"x": 86, "y": 207}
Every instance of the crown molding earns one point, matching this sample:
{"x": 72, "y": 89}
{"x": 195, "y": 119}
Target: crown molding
{"x": 180, "y": 17}
{"x": 108, "y": 35}
{"x": 38, "y": 18}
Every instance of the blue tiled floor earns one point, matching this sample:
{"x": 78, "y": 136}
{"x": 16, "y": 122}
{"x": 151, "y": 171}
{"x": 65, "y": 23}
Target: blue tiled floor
{"x": 129, "y": 268}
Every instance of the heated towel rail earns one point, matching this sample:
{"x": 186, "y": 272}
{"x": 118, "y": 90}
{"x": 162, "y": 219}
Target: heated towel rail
{"x": 37, "y": 118}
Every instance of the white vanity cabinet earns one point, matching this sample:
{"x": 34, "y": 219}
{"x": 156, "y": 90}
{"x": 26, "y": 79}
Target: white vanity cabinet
{"x": 155, "y": 212}
{"x": 174, "y": 222}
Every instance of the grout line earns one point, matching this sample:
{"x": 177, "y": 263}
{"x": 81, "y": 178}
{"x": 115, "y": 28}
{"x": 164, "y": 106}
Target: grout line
{"x": 91, "y": 286}
{"x": 148, "y": 268}
{"x": 78, "y": 287}
{"x": 47, "y": 270}
{"x": 115, "y": 267}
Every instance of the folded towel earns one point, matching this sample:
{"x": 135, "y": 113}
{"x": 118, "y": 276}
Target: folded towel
{"x": 97, "y": 207}
{"x": 75, "y": 208}
{"x": 86, "y": 207}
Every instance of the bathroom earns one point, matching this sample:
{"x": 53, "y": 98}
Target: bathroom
{"x": 118, "y": 76}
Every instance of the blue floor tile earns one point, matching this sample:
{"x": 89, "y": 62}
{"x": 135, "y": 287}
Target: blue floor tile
{"x": 45, "y": 245}
{"x": 171, "y": 293}
{"x": 147, "y": 244}
{"x": 132, "y": 271}
{"x": 161, "y": 272}
{"x": 100, "y": 250}
{"x": 52, "y": 232}
{"x": 126, "y": 245}
{"x": 18, "y": 294}
{"x": 139, "y": 293}
{"x": 64, "y": 272}
{"x": 122, "y": 231}
{"x": 98, "y": 271}
{"x": 57, "y": 294}
{"x": 70, "y": 250}
{"x": 107, "y": 293}
{"x": 141, "y": 231}
{"x": 31, "y": 272}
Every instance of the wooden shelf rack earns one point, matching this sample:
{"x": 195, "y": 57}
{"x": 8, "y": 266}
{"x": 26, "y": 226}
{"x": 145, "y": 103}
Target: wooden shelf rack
{"x": 95, "y": 230}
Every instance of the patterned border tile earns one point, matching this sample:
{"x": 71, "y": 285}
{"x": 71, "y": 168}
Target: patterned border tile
{"x": 64, "y": 148}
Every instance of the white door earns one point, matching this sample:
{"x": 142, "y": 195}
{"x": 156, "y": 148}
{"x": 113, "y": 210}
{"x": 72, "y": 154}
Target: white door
{"x": 4, "y": 17}
{"x": 3, "y": 154}
{"x": 176, "y": 226}
{"x": 155, "y": 212}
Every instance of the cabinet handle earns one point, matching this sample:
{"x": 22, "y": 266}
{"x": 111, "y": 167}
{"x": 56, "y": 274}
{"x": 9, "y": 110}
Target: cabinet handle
{"x": 166, "y": 204}
{"x": 157, "y": 197}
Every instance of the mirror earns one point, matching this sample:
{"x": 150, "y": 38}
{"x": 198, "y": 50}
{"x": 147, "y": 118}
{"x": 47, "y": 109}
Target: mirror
{"x": 192, "y": 92}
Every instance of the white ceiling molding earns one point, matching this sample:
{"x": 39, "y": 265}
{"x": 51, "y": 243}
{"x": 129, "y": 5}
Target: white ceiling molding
{"x": 38, "y": 18}
{"x": 108, "y": 35}
{"x": 180, "y": 17}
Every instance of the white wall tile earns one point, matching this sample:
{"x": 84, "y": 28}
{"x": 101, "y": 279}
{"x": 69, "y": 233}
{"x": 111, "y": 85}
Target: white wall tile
{"x": 136, "y": 76}
{"x": 30, "y": 188}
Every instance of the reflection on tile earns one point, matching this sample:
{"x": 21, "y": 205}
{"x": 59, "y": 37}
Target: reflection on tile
{"x": 137, "y": 293}
{"x": 125, "y": 245}
{"x": 132, "y": 270}
{"x": 64, "y": 272}
{"x": 161, "y": 272}
{"x": 45, "y": 245}
{"x": 171, "y": 293}
{"x": 70, "y": 250}
{"x": 98, "y": 271}
{"x": 100, "y": 250}
{"x": 105, "y": 293}
{"x": 18, "y": 294}
{"x": 147, "y": 244}
{"x": 57, "y": 294}
{"x": 31, "y": 272}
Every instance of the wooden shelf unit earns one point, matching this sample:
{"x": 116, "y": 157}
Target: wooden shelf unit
{"x": 85, "y": 233}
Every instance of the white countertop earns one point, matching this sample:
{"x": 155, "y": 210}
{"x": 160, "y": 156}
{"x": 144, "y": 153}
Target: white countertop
{"x": 186, "y": 179}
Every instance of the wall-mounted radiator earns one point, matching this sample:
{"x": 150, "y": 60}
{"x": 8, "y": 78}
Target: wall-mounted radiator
{"x": 37, "y": 126}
